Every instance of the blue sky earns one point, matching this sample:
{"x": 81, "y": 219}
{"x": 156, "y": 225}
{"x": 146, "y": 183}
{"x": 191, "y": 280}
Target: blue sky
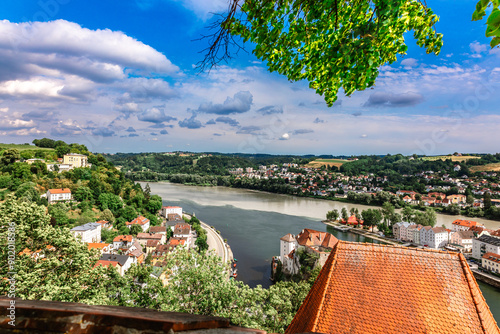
{"x": 119, "y": 76}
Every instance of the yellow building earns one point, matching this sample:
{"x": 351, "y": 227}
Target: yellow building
{"x": 76, "y": 160}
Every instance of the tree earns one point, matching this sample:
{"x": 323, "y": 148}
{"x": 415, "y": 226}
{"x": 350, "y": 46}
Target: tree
{"x": 9, "y": 156}
{"x": 110, "y": 201}
{"x": 83, "y": 194}
{"x": 345, "y": 216}
{"x": 371, "y": 217}
{"x": 470, "y": 199}
{"x": 407, "y": 213}
{"x": 487, "y": 200}
{"x": 493, "y": 22}
{"x": 333, "y": 45}
{"x": 135, "y": 229}
{"x": 388, "y": 213}
{"x": 332, "y": 215}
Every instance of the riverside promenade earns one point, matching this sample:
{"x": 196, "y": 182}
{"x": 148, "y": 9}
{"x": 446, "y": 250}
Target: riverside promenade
{"x": 215, "y": 241}
{"x": 365, "y": 233}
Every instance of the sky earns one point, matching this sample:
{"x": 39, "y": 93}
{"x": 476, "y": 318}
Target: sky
{"x": 120, "y": 76}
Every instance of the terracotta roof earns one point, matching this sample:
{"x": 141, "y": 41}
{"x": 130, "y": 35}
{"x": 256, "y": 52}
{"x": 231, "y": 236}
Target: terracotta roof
{"x": 60, "y": 191}
{"x": 152, "y": 243}
{"x": 150, "y": 236}
{"x": 176, "y": 241}
{"x": 288, "y": 238}
{"x": 492, "y": 257}
{"x": 172, "y": 207}
{"x": 126, "y": 238}
{"x": 105, "y": 263}
{"x": 372, "y": 288}
{"x": 182, "y": 229}
{"x": 97, "y": 245}
{"x": 139, "y": 221}
{"x": 465, "y": 223}
{"x": 157, "y": 229}
{"x": 310, "y": 237}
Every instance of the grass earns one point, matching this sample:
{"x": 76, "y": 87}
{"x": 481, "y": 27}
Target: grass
{"x": 494, "y": 167}
{"x": 326, "y": 162}
{"x": 452, "y": 157}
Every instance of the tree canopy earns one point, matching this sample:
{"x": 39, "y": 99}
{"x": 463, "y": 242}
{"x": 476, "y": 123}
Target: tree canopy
{"x": 332, "y": 44}
{"x": 493, "y": 21}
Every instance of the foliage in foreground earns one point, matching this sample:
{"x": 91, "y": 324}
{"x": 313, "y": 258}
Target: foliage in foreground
{"x": 198, "y": 283}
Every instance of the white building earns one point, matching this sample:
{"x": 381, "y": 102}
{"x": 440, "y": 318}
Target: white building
{"x": 485, "y": 244}
{"x": 121, "y": 262}
{"x": 166, "y": 210}
{"x": 491, "y": 261}
{"x": 76, "y": 160}
{"x": 288, "y": 244}
{"x": 123, "y": 241}
{"x": 56, "y": 195}
{"x": 143, "y": 222}
{"x": 436, "y": 237}
{"x": 90, "y": 232}
{"x": 183, "y": 230}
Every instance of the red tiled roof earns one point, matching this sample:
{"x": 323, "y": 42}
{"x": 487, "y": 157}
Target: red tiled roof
{"x": 152, "y": 243}
{"x": 465, "y": 223}
{"x": 310, "y": 237}
{"x": 60, "y": 191}
{"x": 172, "y": 207}
{"x": 97, "y": 245}
{"x": 182, "y": 229}
{"x": 151, "y": 236}
{"x": 157, "y": 229}
{"x": 126, "y": 238}
{"x": 105, "y": 263}
{"x": 139, "y": 221}
{"x": 492, "y": 257}
{"x": 176, "y": 241}
{"x": 372, "y": 288}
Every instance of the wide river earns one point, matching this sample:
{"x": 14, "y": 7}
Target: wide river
{"x": 253, "y": 222}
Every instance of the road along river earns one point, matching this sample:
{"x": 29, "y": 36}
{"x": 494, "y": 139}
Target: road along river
{"x": 254, "y": 221}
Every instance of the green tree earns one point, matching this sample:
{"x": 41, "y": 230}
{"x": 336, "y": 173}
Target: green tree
{"x": 83, "y": 194}
{"x": 371, "y": 217}
{"x": 134, "y": 229}
{"x": 345, "y": 216}
{"x": 9, "y": 157}
{"x": 110, "y": 201}
{"x": 407, "y": 213}
{"x": 332, "y": 215}
{"x": 333, "y": 45}
{"x": 487, "y": 200}
{"x": 493, "y": 22}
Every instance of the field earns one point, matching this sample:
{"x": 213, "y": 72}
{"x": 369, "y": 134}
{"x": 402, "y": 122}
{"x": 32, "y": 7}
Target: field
{"x": 23, "y": 147}
{"x": 452, "y": 157}
{"x": 486, "y": 168}
{"x": 326, "y": 162}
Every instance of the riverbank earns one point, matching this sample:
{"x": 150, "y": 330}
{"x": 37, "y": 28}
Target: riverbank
{"x": 215, "y": 241}
{"x": 288, "y": 204}
{"x": 364, "y": 233}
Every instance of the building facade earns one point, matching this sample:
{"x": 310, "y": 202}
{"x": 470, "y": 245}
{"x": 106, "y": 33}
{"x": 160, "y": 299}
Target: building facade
{"x": 76, "y": 160}
{"x": 485, "y": 244}
{"x": 89, "y": 233}
{"x": 58, "y": 195}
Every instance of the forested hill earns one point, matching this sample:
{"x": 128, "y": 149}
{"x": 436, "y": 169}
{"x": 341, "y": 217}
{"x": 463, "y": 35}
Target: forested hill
{"x": 197, "y": 163}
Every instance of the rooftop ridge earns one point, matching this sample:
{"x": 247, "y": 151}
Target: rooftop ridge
{"x": 480, "y": 304}
{"x": 428, "y": 250}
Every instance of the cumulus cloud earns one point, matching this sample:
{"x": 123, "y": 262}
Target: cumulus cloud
{"x": 41, "y": 115}
{"x": 164, "y": 132}
{"x": 227, "y": 120}
{"x": 384, "y": 99}
{"x": 128, "y": 108}
{"x": 268, "y": 110}
{"x": 285, "y": 136}
{"x": 155, "y": 115}
{"x": 217, "y": 134}
{"x": 130, "y": 129}
{"x": 356, "y": 114}
{"x": 477, "y": 48}
{"x": 317, "y": 121}
{"x": 190, "y": 123}
{"x": 409, "y": 62}
{"x": 210, "y": 122}
{"x": 66, "y": 128}
{"x": 239, "y": 103}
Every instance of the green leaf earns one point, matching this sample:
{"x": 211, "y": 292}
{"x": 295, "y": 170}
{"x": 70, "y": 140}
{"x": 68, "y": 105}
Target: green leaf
{"x": 495, "y": 41}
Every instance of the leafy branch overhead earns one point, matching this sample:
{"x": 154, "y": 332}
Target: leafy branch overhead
{"x": 493, "y": 22}
{"x": 333, "y": 44}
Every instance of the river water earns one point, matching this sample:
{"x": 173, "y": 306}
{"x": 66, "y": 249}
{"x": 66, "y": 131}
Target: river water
{"x": 253, "y": 222}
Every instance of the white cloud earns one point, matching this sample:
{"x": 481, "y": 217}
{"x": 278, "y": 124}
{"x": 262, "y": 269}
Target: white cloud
{"x": 477, "y": 48}
{"x": 203, "y": 8}
{"x": 409, "y": 62}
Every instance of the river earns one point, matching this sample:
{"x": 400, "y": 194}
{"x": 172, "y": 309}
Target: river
{"x": 253, "y": 222}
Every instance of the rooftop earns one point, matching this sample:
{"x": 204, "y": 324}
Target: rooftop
{"x": 372, "y": 288}
{"x": 490, "y": 240}
{"x": 60, "y": 191}
{"x": 86, "y": 227}
{"x": 492, "y": 257}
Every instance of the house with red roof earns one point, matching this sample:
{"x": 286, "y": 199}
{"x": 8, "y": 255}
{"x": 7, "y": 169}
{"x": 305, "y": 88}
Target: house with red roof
{"x": 123, "y": 241}
{"x": 464, "y": 225}
{"x": 58, "y": 195}
{"x": 166, "y": 210}
{"x": 143, "y": 222}
{"x": 310, "y": 241}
